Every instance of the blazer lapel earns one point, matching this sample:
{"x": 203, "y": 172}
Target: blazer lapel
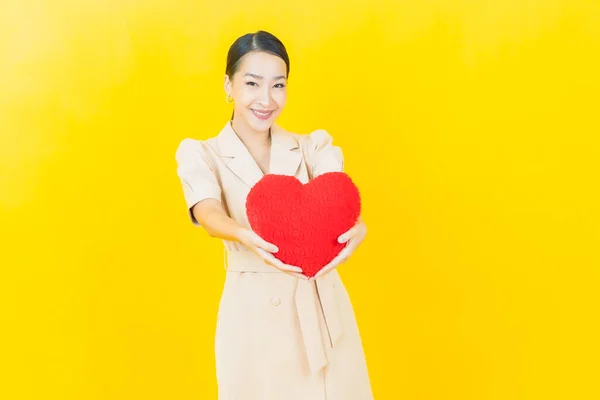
{"x": 236, "y": 156}
{"x": 285, "y": 154}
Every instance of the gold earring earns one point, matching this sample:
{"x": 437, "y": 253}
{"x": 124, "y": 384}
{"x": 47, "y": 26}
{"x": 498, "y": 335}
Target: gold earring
{"x": 229, "y": 99}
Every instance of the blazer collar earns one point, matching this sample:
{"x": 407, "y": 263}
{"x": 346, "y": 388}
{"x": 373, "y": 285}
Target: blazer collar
{"x": 285, "y": 155}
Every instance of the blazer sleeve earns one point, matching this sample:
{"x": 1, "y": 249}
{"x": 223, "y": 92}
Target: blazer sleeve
{"x": 323, "y": 155}
{"x": 196, "y": 174}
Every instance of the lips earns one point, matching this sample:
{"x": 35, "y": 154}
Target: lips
{"x": 262, "y": 115}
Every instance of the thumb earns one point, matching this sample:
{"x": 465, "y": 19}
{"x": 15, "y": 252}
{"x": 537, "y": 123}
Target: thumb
{"x": 263, "y": 244}
{"x": 349, "y": 234}
{"x": 343, "y": 238}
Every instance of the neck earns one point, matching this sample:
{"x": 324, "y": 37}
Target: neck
{"x": 250, "y": 136}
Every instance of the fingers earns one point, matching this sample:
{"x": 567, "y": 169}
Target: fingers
{"x": 290, "y": 268}
{"x": 271, "y": 260}
{"x": 276, "y": 263}
{"x": 358, "y": 230}
{"x": 344, "y": 237}
{"x": 341, "y": 258}
{"x": 264, "y": 250}
{"x": 352, "y": 237}
{"x": 343, "y": 255}
{"x": 286, "y": 268}
{"x": 267, "y": 257}
{"x": 299, "y": 275}
{"x": 333, "y": 264}
{"x": 251, "y": 238}
{"x": 263, "y": 244}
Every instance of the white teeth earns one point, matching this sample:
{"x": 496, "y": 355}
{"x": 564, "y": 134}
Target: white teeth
{"x": 262, "y": 114}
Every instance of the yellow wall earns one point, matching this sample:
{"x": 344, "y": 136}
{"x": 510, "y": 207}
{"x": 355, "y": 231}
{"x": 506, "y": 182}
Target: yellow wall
{"x": 471, "y": 128}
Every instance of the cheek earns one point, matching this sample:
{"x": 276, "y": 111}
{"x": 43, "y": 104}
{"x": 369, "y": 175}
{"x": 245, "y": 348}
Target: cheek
{"x": 246, "y": 97}
{"x": 280, "y": 98}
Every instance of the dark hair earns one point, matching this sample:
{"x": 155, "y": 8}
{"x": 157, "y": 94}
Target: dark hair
{"x": 257, "y": 41}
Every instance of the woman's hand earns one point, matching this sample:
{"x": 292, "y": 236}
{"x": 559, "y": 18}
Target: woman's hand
{"x": 353, "y": 238}
{"x": 264, "y": 249}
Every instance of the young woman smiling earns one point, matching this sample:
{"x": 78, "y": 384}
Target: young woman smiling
{"x": 279, "y": 335}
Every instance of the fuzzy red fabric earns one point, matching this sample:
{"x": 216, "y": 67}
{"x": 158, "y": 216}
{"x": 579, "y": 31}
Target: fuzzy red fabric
{"x": 304, "y": 220}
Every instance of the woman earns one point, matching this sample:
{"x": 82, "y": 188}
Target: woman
{"x": 280, "y": 335}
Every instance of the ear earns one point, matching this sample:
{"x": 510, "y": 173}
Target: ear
{"x": 227, "y": 85}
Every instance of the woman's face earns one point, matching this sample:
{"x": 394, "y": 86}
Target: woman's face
{"x": 258, "y": 90}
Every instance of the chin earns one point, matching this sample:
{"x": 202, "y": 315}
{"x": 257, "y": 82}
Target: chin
{"x": 261, "y": 125}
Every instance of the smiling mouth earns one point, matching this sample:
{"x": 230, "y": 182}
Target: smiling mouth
{"x": 262, "y": 114}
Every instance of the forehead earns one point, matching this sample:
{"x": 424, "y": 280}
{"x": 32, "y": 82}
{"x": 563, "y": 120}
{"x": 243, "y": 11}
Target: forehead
{"x": 263, "y": 64}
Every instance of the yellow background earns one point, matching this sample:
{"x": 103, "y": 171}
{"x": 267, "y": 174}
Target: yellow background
{"x": 471, "y": 128}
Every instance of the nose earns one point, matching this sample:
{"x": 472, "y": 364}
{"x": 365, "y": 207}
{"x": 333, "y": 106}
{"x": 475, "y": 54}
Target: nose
{"x": 265, "y": 97}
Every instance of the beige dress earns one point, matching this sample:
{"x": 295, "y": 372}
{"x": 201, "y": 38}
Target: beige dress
{"x": 277, "y": 337}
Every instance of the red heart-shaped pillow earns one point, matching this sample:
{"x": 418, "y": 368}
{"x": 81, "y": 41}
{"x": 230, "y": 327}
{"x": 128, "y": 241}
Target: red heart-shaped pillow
{"x": 304, "y": 220}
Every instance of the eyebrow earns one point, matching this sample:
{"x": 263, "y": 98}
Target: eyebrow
{"x": 260, "y": 77}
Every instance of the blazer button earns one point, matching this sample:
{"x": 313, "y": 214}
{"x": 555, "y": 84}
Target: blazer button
{"x": 275, "y": 301}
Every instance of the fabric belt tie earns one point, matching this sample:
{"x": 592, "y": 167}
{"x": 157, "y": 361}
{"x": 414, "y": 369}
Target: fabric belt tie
{"x": 309, "y": 297}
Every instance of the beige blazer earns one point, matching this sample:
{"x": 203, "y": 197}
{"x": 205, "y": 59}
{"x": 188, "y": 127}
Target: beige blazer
{"x": 277, "y": 337}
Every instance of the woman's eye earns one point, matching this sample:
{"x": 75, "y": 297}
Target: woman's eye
{"x": 279, "y": 85}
